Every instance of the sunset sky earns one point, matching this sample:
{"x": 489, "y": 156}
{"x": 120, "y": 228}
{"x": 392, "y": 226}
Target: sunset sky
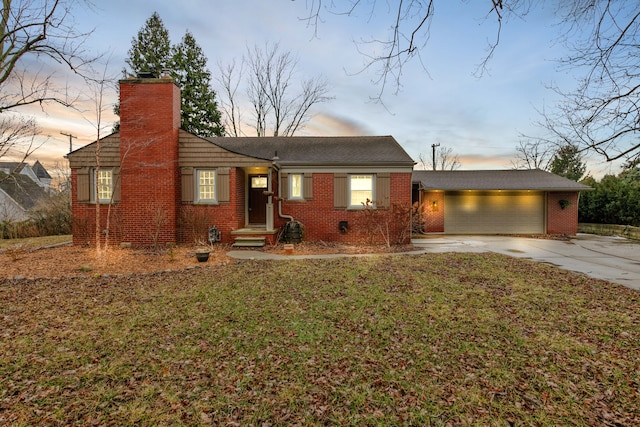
{"x": 440, "y": 101}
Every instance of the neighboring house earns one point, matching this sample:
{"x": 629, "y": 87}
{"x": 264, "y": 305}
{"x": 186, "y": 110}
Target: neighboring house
{"x": 497, "y": 202}
{"x": 18, "y": 194}
{"x": 164, "y": 185}
{"x": 37, "y": 173}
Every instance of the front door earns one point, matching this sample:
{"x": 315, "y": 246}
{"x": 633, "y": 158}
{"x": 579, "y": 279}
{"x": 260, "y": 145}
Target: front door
{"x": 257, "y": 199}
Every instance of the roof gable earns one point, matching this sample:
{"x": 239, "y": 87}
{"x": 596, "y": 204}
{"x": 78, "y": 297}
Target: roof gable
{"x": 514, "y": 179}
{"x": 40, "y": 171}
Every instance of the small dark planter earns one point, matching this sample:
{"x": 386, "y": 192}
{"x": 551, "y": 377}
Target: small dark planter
{"x": 202, "y": 256}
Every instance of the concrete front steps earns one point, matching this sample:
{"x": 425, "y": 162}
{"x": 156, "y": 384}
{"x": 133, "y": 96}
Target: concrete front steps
{"x": 253, "y": 237}
{"x": 249, "y": 242}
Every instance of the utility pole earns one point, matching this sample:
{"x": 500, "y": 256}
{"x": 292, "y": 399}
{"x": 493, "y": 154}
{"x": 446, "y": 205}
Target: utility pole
{"x": 433, "y": 158}
{"x": 70, "y": 140}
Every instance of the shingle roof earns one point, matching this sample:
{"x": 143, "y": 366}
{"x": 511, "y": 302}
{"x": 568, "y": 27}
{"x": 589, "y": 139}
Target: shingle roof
{"x": 534, "y": 179}
{"x": 320, "y": 150}
{"x": 12, "y": 167}
{"x": 22, "y": 189}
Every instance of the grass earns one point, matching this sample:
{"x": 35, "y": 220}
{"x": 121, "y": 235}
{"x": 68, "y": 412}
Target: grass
{"x": 34, "y": 242}
{"x": 439, "y": 339}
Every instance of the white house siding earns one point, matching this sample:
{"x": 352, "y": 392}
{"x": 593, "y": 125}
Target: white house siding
{"x": 10, "y": 210}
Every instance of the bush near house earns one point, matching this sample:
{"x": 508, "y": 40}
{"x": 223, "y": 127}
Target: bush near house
{"x": 51, "y": 216}
{"x": 615, "y": 199}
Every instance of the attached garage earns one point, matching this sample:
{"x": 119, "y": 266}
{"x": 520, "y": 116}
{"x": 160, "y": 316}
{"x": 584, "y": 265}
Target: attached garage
{"x": 493, "y": 212}
{"x": 497, "y": 202}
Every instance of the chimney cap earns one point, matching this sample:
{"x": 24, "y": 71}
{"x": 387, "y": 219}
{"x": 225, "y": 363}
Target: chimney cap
{"x": 146, "y": 75}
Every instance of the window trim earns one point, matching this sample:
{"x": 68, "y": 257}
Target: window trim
{"x": 300, "y": 185}
{"x": 350, "y": 204}
{"x": 196, "y": 196}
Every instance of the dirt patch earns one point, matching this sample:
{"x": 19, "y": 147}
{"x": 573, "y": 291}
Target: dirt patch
{"x": 75, "y": 261}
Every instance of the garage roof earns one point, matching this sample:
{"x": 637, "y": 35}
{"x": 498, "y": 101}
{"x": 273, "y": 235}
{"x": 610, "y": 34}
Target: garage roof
{"x": 513, "y": 179}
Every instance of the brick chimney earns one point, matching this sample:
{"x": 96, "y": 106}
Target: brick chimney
{"x": 149, "y": 174}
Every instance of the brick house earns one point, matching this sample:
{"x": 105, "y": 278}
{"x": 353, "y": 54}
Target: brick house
{"x": 160, "y": 184}
{"x": 497, "y": 202}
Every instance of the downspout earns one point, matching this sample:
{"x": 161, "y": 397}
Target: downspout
{"x": 277, "y": 169}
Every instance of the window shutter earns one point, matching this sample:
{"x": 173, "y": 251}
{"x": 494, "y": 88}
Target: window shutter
{"x": 284, "y": 184}
{"x": 383, "y": 190}
{"x": 340, "y": 189}
{"x": 116, "y": 185}
{"x": 223, "y": 185}
{"x": 307, "y": 189}
{"x": 84, "y": 185}
{"x": 188, "y": 185}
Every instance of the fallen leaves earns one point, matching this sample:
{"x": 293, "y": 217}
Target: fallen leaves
{"x": 439, "y": 339}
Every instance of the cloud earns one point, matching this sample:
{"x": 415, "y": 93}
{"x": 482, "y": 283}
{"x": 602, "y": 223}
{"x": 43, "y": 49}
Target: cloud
{"x": 327, "y": 124}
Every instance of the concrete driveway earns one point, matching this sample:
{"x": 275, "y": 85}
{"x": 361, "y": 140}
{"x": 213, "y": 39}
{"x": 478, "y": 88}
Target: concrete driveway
{"x": 610, "y": 258}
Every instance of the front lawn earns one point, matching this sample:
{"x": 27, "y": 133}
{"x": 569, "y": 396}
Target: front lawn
{"x": 437, "y": 339}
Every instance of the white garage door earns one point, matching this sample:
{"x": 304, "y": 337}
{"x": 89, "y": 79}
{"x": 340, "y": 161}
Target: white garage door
{"x": 494, "y": 213}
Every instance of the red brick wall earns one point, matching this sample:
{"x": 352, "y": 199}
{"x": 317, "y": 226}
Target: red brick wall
{"x": 149, "y": 175}
{"x": 321, "y": 220}
{"x": 226, "y": 217}
{"x": 84, "y": 219}
{"x": 433, "y": 214}
{"x": 562, "y": 221}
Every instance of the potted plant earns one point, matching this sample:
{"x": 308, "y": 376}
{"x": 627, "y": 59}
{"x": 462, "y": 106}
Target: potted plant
{"x": 564, "y": 203}
{"x": 202, "y": 254}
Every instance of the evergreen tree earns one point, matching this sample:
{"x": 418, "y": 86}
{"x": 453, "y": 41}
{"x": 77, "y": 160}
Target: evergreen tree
{"x": 151, "y": 52}
{"x": 567, "y": 162}
{"x": 200, "y": 113}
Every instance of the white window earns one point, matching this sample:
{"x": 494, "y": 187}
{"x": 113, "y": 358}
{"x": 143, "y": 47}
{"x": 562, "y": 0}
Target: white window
{"x": 104, "y": 186}
{"x": 206, "y": 186}
{"x": 295, "y": 186}
{"x": 360, "y": 190}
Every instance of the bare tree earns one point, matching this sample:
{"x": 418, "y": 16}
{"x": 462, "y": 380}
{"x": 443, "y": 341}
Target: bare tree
{"x": 533, "y": 154}
{"x": 32, "y": 32}
{"x": 17, "y": 138}
{"x": 38, "y": 29}
{"x": 97, "y": 87}
{"x": 444, "y": 159}
{"x": 602, "y": 114}
{"x": 229, "y": 78}
{"x": 280, "y": 108}
{"x": 408, "y": 31}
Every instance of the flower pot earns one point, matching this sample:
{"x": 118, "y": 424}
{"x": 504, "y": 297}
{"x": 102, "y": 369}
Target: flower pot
{"x": 202, "y": 256}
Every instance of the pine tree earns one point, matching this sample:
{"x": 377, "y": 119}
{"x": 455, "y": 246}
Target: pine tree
{"x": 567, "y": 162}
{"x": 200, "y": 113}
{"x": 151, "y": 52}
